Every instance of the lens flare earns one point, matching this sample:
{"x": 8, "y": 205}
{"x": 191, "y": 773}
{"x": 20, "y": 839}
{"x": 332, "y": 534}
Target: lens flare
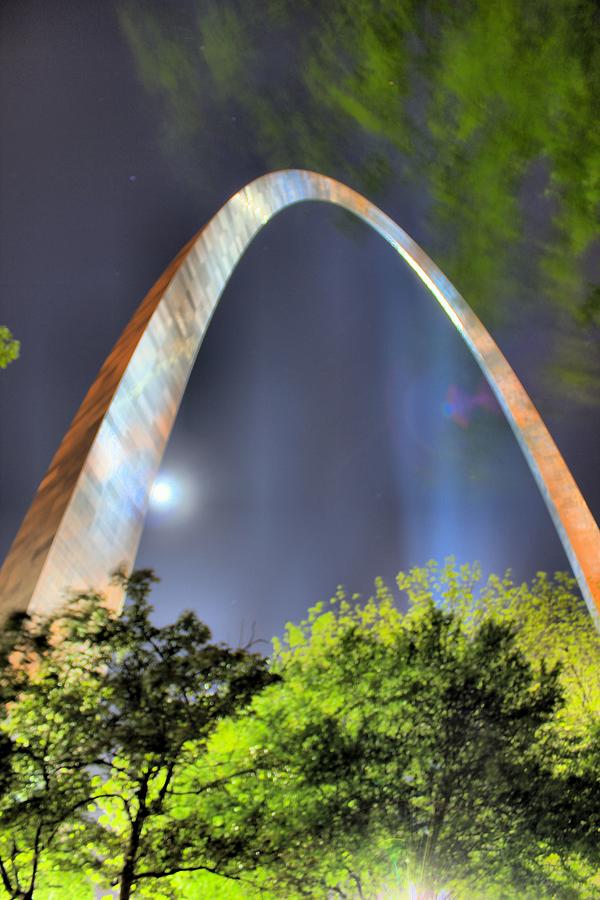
{"x": 460, "y": 406}
{"x": 161, "y": 493}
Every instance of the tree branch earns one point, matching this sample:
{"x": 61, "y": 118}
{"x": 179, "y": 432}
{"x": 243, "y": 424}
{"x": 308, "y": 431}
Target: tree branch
{"x": 177, "y": 869}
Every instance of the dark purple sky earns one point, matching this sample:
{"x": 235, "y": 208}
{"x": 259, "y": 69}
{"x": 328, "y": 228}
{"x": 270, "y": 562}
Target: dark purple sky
{"x": 313, "y": 446}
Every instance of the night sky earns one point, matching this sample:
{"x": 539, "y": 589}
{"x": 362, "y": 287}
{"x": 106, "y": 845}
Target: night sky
{"x": 335, "y": 427}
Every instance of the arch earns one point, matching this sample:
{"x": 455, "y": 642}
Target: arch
{"x": 87, "y": 516}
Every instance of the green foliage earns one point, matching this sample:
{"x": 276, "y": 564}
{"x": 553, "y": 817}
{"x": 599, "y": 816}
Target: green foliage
{"x": 410, "y": 748}
{"x": 550, "y": 620}
{"x": 551, "y": 623}
{"x": 455, "y": 746}
{"x": 9, "y": 347}
{"x": 104, "y": 713}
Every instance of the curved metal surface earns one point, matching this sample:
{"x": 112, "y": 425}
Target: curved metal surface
{"x": 87, "y": 516}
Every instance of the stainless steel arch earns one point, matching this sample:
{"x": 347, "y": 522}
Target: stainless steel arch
{"x": 87, "y": 516}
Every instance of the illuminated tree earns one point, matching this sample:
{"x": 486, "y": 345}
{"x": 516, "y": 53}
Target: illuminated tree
{"x": 549, "y": 617}
{"x": 413, "y": 748}
{"x": 104, "y": 713}
{"x": 377, "y": 750}
{"x": 9, "y": 347}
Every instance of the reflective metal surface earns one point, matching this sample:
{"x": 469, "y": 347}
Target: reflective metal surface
{"x": 87, "y": 516}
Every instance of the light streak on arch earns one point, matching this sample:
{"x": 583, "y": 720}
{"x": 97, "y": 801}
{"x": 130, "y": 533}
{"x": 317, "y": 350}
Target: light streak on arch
{"x": 87, "y": 516}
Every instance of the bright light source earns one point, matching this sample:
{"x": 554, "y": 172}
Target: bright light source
{"x": 161, "y": 493}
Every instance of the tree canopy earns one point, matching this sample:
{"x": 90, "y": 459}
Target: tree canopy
{"x": 413, "y": 749}
{"x": 443, "y": 740}
{"x": 9, "y": 347}
{"x": 103, "y": 714}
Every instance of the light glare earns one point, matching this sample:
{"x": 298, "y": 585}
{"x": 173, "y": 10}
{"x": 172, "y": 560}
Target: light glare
{"x": 162, "y": 493}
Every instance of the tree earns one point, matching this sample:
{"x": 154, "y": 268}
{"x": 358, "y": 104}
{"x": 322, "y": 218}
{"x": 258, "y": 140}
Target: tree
{"x": 552, "y": 624}
{"x": 378, "y": 749}
{"x": 106, "y": 712}
{"x": 48, "y": 738}
{"x": 410, "y": 748}
{"x": 9, "y": 347}
{"x": 549, "y": 617}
